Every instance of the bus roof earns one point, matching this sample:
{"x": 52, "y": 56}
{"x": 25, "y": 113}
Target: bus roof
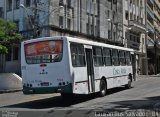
{"x": 77, "y": 40}
{"x": 90, "y": 42}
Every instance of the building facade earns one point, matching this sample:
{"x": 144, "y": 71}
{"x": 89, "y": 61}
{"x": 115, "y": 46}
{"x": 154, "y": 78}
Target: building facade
{"x": 130, "y": 23}
{"x": 153, "y": 35}
{"x": 134, "y": 32}
{"x": 98, "y": 20}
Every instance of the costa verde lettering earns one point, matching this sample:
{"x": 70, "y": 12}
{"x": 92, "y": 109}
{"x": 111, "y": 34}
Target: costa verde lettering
{"x": 119, "y": 71}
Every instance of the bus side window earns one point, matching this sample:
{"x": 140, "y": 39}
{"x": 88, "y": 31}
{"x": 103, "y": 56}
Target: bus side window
{"x": 128, "y": 58}
{"x": 122, "y": 60}
{"x": 77, "y": 55}
{"x": 98, "y": 57}
{"x": 115, "y": 60}
{"x": 107, "y": 56}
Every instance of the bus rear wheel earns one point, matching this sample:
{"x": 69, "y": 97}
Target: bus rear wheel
{"x": 103, "y": 88}
{"x": 67, "y": 95}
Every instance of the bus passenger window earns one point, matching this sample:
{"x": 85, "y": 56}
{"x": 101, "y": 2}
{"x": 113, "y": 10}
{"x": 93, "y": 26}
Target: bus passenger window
{"x": 115, "y": 57}
{"x": 107, "y": 56}
{"x": 77, "y": 55}
{"x": 122, "y": 60}
{"x": 97, "y": 55}
{"x": 128, "y": 58}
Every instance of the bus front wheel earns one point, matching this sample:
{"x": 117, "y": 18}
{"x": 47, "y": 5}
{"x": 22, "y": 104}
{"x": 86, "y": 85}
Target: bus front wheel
{"x": 103, "y": 88}
{"x": 129, "y": 85}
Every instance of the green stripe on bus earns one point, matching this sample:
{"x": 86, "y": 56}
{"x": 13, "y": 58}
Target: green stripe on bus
{"x": 45, "y": 90}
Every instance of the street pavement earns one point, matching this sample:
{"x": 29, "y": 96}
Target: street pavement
{"x": 142, "y": 100}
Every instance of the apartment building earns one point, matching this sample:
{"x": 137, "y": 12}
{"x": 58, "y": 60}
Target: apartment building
{"x": 11, "y": 61}
{"x": 134, "y": 32}
{"x": 98, "y": 20}
{"x": 153, "y": 26}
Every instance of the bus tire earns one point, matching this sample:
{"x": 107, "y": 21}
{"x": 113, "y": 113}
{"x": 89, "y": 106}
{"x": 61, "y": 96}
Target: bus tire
{"x": 103, "y": 88}
{"x": 66, "y": 95}
{"x": 129, "y": 85}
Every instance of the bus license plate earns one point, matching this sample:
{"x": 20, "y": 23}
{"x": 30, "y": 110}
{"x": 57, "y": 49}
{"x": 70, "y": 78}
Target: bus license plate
{"x": 45, "y": 84}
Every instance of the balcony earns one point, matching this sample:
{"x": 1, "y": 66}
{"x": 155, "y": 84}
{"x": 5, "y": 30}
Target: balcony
{"x": 150, "y": 43}
{"x": 151, "y": 1}
{"x": 157, "y": 2}
{"x": 157, "y": 14}
{"x": 133, "y": 44}
{"x": 150, "y": 25}
{"x": 150, "y": 12}
{"x": 136, "y": 26}
{"x": 156, "y": 25}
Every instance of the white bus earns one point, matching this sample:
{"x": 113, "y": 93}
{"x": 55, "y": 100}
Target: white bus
{"x": 73, "y": 66}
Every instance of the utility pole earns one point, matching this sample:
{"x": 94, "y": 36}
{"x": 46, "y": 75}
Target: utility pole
{"x": 35, "y": 20}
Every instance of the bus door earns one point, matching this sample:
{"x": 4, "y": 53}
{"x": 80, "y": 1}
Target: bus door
{"x": 134, "y": 65}
{"x": 90, "y": 70}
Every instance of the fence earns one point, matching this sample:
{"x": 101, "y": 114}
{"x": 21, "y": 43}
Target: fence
{"x": 2, "y": 62}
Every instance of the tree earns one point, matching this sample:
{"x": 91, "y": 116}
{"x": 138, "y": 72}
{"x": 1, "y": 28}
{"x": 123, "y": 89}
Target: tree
{"x": 8, "y": 35}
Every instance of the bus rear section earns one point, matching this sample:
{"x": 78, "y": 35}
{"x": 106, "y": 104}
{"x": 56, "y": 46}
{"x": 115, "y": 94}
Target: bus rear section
{"x": 45, "y": 67}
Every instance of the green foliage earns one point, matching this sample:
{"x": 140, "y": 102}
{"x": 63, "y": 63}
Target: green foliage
{"x": 3, "y": 49}
{"x": 8, "y": 35}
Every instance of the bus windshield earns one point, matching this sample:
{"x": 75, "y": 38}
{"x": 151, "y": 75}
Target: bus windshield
{"x": 44, "y": 52}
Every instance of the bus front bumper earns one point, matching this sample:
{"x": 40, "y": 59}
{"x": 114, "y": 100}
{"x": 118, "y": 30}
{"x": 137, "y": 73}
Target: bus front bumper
{"x": 46, "y": 90}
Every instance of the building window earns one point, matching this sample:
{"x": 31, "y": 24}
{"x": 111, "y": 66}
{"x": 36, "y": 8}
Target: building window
{"x": 92, "y": 29}
{"x": 114, "y": 36}
{"x": 15, "y": 53}
{"x": 17, "y": 3}
{"x": 61, "y": 2}
{"x": 131, "y": 37}
{"x": 17, "y": 25}
{"x": 8, "y": 55}
{"x": 134, "y": 37}
{"x": 61, "y": 21}
{"x": 9, "y": 5}
{"x": 95, "y": 31}
{"x": 141, "y": 3}
{"x": 69, "y": 23}
{"x": 109, "y": 34}
{"x": 1, "y": 12}
{"x": 108, "y": 13}
{"x": 126, "y": 15}
{"x": 28, "y": 3}
{"x": 87, "y": 28}
{"x": 114, "y": 1}
{"x": 68, "y": 3}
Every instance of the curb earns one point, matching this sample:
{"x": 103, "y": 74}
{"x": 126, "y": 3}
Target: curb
{"x": 143, "y": 76}
{"x": 10, "y": 91}
{"x": 147, "y": 76}
{"x": 155, "y": 76}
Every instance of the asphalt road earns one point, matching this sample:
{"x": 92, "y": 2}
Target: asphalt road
{"x": 143, "y": 99}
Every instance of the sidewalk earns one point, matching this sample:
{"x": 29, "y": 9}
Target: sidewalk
{"x": 10, "y": 82}
{"x": 9, "y": 91}
{"x": 147, "y": 76}
{"x": 158, "y": 75}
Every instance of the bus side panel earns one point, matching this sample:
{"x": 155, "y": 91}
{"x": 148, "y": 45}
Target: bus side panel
{"x": 78, "y": 76}
{"x": 80, "y": 80}
{"x": 115, "y": 75}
